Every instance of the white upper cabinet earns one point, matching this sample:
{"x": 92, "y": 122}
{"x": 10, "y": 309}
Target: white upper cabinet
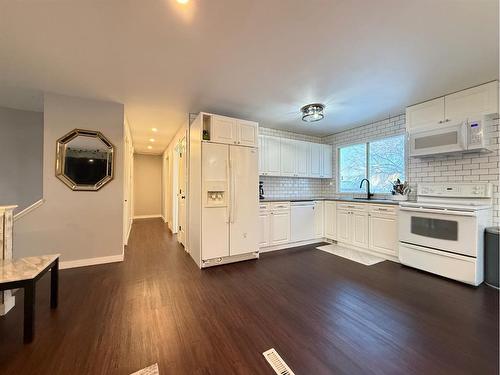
{"x": 316, "y": 160}
{"x": 233, "y": 131}
{"x": 247, "y": 132}
{"x": 453, "y": 108}
{"x": 287, "y": 156}
{"x": 223, "y": 130}
{"x": 302, "y": 152}
{"x": 472, "y": 102}
{"x": 269, "y": 156}
{"x": 326, "y": 158}
{"x": 425, "y": 114}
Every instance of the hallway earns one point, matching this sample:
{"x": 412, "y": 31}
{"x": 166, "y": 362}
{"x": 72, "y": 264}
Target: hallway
{"x": 317, "y": 310}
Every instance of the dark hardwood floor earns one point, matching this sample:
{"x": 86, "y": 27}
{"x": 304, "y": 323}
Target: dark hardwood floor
{"x": 322, "y": 313}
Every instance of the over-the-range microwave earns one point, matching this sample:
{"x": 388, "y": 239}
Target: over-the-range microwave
{"x": 465, "y": 136}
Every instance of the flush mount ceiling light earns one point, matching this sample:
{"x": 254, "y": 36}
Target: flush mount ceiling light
{"x": 150, "y": 147}
{"x": 151, "y": 139}
{"x": 312, "y": 112}
{"x": 154, "y": 129}
{"x": 183, "y": 1}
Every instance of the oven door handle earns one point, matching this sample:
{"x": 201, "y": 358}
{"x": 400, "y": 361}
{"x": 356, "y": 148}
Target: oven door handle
{"x": 438, "y": 211}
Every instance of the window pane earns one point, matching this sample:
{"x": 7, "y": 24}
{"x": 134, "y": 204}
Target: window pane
{"x": 352, "y": 167}
{"x": 387, "y": 163}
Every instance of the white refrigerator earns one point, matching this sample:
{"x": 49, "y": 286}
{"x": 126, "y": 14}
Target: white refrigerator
{"x": 229, "y": 203}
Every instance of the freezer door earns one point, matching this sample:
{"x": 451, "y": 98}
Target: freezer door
{"x": 215, "y": 197}
{"x": 244, "y": 200}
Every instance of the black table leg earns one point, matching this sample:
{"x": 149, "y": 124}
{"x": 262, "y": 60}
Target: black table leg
{"x": 54, "y": 284}
{"x": 29, "y": 310}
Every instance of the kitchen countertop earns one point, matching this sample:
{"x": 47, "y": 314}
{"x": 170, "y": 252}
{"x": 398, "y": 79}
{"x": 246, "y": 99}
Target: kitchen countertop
{"x": 373, "y": 200}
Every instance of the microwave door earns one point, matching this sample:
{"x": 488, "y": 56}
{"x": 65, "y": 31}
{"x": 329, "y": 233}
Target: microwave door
{"x": 434, "y": 141}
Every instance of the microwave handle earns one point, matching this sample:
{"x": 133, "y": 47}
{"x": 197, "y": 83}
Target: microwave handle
{"x": 437, "y": 211}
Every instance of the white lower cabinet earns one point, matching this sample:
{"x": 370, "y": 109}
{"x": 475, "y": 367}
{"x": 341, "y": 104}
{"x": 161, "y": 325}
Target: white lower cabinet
{"x": 330, "y": 227}
{"x": 319, "y": 219}
{"x": 383, "y": 230}
{"x": 264, "y": 221}
{"x": 359, "y": 229}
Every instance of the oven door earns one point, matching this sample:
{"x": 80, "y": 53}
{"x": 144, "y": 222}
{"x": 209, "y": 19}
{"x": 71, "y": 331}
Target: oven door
{"x": 434, "y": 141}
{"x": 452, "y": 231}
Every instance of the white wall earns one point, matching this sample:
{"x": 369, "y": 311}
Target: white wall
{"x": 78, "y": 225}
{"x": 147, "y": 185}
{"x": 21, "y": 154}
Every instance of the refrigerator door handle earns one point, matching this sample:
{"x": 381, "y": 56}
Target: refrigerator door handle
{"x": 228, "y": 189}
{"x": 233, "y": 193}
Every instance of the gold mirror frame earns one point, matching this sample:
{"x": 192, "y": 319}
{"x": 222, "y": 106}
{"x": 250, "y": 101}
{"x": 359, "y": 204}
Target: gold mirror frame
{"x": 61, "y": 158}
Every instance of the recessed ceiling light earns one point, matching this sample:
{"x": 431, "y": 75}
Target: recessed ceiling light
{"x": 312, "y": 112}
{"x": 151, "y": 139}
{"x": 154, "y": 129}
{"x": 150, "y": 147}
{"x": 183, "y": 1}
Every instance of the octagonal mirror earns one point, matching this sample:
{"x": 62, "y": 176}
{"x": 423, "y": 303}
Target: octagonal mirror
{"x": 84, "y": 160}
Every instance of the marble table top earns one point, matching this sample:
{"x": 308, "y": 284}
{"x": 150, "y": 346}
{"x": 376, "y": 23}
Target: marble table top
{"x": 24, "y": 268}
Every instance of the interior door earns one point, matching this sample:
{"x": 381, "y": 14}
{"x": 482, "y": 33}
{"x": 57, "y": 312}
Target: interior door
{"x": 181, "y": 196}
{"x": 244, "y": 200}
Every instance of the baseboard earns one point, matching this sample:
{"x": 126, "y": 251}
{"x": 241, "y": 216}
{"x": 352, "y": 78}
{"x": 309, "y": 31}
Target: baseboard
{"x": 29, "y": 209}
{"x": 290, "y": 245}
{"x": 147, "y": 216}
{"x": 90, "y": 261}
{"x": 164, "y": 218}
{"x": 129, "y": 229}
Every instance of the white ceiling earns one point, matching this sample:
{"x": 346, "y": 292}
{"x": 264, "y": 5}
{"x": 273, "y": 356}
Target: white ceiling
{"x": 260, "y": 60}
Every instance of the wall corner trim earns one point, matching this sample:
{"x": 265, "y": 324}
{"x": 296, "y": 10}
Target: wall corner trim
{"x": 91, "y": 261}
{"x": 28, "y": 209}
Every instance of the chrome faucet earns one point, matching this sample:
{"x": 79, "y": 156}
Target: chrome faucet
{"x": 368, "y": 194}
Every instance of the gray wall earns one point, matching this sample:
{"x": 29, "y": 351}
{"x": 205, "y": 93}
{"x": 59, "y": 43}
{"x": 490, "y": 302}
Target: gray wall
{"x": 80, "y": 225}
{"x": 21, "y": 157}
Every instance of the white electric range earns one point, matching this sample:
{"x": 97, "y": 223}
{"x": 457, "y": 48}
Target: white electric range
{"x": 443, "y": 231}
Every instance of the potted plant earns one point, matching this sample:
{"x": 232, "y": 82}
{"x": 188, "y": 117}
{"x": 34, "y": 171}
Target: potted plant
{"x": 400, "y": 190}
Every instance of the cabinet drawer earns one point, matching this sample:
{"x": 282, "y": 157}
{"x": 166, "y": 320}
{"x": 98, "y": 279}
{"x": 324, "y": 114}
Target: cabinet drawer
{"x": 280, "y": 206}
{"x": 384, "y": 209}
{"x": 352, "y": 206}
{"x": 263, "y": 207}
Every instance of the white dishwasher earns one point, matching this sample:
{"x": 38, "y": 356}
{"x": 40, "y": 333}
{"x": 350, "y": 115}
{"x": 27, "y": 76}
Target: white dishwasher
{"x": 302, "y": 221}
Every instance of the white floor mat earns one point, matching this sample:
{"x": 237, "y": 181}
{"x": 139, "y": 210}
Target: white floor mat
{"x": 151, "y": 370}
{"x": 356, "y": 256}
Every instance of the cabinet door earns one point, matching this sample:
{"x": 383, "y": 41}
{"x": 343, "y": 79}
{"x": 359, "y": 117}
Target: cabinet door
{"x": 383, "y": 234}
{"x": 316, "y": 160}
{"x": 262, "y": 155}
{"x": 264, "y": 226}
{"x": 223, "y": 129}
{"x": 359, "y": 228}
{"x": 247, "y": 133}
{"x": 472, "y": 102}
{"x": 318, "y": 219}
{"x": 287, "y": 153}
{"x": 331, "y": 220}
{"x": 327, "y": 162}
{"x": 273, "y": 156}
{"x": 302, "y": 157}
{"x": 425, "y": 114}
{"x": 343, "y": 226}
{"x": 280, "y": 227}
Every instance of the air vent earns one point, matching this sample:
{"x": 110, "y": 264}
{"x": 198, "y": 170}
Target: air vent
{"x": 277, "y": 363}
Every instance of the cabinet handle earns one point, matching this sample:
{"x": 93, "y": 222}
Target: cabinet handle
{"x": 447, "y": 120}
{"x": 440, "y": 121}
{"x": 382, "y": 209}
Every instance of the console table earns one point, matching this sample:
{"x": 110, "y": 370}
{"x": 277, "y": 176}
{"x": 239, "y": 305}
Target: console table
{"x": 24, "y": 273}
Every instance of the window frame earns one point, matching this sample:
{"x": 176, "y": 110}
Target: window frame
{"x": 367, "y": 159}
